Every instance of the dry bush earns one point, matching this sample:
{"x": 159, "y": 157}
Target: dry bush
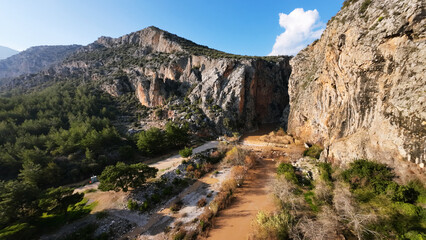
{"x": 268, "y": 153}
{"x": 350, "y": 213}
{"x": 206, "y": 215}
{"x": 223, "y": 147}
{"x": 214, "y": 208}
{"x": 238, "y": 174}
{"x": 250, "y": 160}
{"x": 175, "y": 207}
{"x": 215, "y": 154}
{"x": 197, "y": 173}
{"x": 228, "y": 186}
{"x": 224, "y": 197}
{"x": 235, "y": 156}
{"x": 206, "y": 167}
{"x": 271, "y": 226}
{"x": 324, "y": 227}
{"x": 279, "y": 137}
{"x": 202, "y": 202}
{"x": 190, "y": 168}
{"x": 180, "y": 235}
{"x": 285, "y": 191}
{"x": 323, "y": 191}
{"x": 191, "y": 235}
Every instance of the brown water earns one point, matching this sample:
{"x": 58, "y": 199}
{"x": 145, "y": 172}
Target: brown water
{"x": 235, "y": 221}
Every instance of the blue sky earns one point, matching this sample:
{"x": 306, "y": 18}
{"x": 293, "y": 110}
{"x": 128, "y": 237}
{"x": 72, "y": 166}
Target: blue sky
{"x": 246, "y": 27}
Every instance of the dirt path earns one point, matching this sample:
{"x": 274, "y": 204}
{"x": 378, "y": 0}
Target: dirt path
{"x": 173, "y": 161}
{"x": 235, "y": 221}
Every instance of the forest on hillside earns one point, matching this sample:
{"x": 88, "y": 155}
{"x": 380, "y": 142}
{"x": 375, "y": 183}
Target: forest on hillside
{"x": 58, "y": 136}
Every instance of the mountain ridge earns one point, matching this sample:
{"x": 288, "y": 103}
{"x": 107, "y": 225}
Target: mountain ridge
{"x": 6, "y": 52}
{"x": 162, "y": 70}
{"x": 34, "y": 59}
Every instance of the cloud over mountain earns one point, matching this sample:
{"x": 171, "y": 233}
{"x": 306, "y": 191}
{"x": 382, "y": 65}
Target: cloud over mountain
{"x": 301, "y": 28}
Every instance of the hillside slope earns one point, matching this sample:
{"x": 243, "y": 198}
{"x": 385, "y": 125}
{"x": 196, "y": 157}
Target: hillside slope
{"x": 360, "y": 90}
{"x": 34, "y": 59}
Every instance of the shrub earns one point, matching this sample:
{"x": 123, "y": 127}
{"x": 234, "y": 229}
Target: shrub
{"x": 202, "y": 202}
{"x": 132, "y": 205}
{"x": 176, "y": 206}
{"x": 177, "y": 171}
{"x": 179, "y": 235}
{"x": 159, "y": 113}
{"x": 144, "y": 206}
{"x": 287, "y": 170}
{"x": 405, "y": 194}
{"x": 364, "y": 173}
{"x": 314, "y": 151}
{"x": 325, "y": 172}
{"x": 228, "y": 186}
{"x": 364, "y": 6}
{"x": 238, "y": 173}
{"x": 272, "y": 226}
{"x": 190, "y": 168}
{"x": 323, "y": 192}
{"x": 215, "y": 157}
{"x": 155, "y": 198}
{"x": 235, "y": 156}
{"x": 18, "y": 231}
{"x": 206, "y": 167}
{"x": 250, "y": 160}
{"x": 197, "y": 173}
{"x": 287, "y": 193}
{"x": 186, "y": 152}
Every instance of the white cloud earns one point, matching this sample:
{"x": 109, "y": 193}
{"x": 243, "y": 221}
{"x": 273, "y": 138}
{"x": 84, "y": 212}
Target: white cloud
{"x": 301, "y": 28}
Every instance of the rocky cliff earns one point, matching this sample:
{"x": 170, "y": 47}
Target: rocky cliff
{"x": 34, "y": 59}
{"x": 360, "y": 90}
{"x": 178, "y": 79}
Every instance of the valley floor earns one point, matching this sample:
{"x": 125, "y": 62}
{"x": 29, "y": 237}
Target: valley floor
{"x": 234, "y": 222}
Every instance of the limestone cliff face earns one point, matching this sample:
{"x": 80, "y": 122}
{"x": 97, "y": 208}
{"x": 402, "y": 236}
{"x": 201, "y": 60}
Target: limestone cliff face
{"x": 234, "y": 92}
{"x": 361, "y": 90}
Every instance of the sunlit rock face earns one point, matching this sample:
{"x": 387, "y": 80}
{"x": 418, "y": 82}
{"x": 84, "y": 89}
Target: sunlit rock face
{"x": 360, "y": 90}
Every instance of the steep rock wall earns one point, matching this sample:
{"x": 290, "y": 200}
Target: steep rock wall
{"x": 360, "y": 90}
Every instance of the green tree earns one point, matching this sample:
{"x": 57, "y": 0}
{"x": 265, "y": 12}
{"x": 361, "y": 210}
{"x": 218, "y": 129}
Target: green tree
{"x": 151, "y": 141}
{"x": 31, "y": 173}
{"x": 18, "y": 201}
{"x": 177, "y": 135}
{"x": 57, "y": 200}
{"x": 122, "y": 176}
{"x": 186, "y": 152}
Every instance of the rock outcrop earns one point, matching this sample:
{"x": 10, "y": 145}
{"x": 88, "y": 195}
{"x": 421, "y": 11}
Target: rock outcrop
{"x": 360, "y": 90}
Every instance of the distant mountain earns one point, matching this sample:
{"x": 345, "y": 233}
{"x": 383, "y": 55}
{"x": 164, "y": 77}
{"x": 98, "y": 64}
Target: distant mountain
{"x": 34, "y": 59}
{"x": 6, "y": 52}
